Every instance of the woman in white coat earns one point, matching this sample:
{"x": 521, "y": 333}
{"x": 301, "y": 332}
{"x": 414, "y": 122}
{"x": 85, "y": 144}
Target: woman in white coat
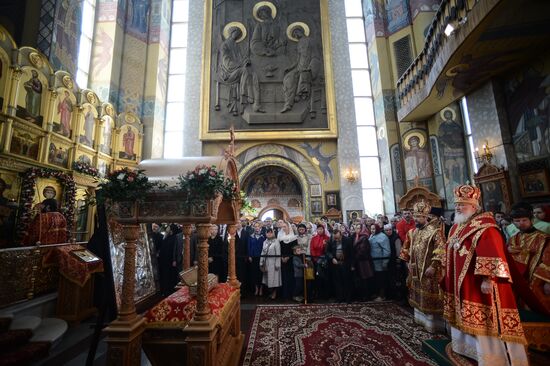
{"x": 271, "y": 265}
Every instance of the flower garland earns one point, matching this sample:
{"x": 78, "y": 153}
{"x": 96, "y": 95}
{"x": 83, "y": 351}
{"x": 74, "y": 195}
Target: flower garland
{"x": 27, "y": 196}
{"x": 85, "y": 168}
{"x": 205, "y": 182}
{"x": 126, "y": 185}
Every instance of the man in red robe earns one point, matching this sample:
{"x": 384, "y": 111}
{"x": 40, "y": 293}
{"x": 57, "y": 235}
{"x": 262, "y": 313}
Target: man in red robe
{"x": 48, "y": 227}
{"x": 479, "y": 303}
{"x": 405, "y": 224}
{"x": 423, "y": 251}
{"x": 530, "y": 249}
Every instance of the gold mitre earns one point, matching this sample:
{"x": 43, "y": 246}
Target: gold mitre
{"x": 421, "y": 208}
{"x": 467, "y": 194}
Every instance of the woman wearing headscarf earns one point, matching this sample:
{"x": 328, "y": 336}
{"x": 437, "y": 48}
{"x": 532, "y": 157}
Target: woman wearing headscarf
{"x": 363, "y": 262}
{"x": 287, "y": 240}
{"x": 318, "y": 248}
{"x": 271, "y": 262}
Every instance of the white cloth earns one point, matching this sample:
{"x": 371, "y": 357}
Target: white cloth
{"x": 432, "y": 323}
{"x": 488, "y": 351}
{"x": 272, "y": 278}
{"x": 286, "y": 238}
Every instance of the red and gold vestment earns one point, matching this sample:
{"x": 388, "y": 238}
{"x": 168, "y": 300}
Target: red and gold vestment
{"x": 531, "y": 253}
{"x": 476, "y": 251}
{"x": 424, "y": 247}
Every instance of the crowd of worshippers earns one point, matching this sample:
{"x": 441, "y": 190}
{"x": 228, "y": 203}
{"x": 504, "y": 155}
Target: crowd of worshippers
{"x": 473, "y": 274}
{"x": 330, "y": 261}
{"x": 360, "y": 262}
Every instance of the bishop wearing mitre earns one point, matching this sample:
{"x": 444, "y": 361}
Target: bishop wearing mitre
{"x": 478, "y": 300}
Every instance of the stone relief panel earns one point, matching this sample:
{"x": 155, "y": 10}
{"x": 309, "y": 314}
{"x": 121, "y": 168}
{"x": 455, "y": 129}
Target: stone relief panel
{"x": 266, "y": 69}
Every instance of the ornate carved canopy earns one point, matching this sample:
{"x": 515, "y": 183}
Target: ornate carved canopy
{"x": 419, "y": 193}
{"x": 333, "y": 214}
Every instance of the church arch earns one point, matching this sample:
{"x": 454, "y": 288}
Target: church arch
{"x": 264, "y": 161}
{"x": 312, "y": 172}
{"x": 285, "y": 217}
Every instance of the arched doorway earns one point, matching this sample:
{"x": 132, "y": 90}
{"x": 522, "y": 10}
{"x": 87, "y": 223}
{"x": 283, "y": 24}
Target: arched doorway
{"x": 274, "y": 212}
{"x": 275, "y": 192}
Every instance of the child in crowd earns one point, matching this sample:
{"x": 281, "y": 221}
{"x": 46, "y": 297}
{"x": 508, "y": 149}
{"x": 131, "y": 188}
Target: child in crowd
{"x": 299, "y": 265}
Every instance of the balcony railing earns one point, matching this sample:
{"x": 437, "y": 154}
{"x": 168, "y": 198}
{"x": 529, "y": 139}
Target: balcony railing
{"x": 450, "y": 16}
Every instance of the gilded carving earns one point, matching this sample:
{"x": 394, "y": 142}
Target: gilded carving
{"x": 232, "y": 230}
{"x": 36, "y": 60}
{"x": 187, "y": 231}
{"x": 109, "y": 110}
{"x": 129, "y": 118}
{"x": 67, "y": 81}
{"x": 10, "y": 164}
{"x": 127, "y": 307}
{"x": 203, "y": 310}
{"x": 91, "y": 98}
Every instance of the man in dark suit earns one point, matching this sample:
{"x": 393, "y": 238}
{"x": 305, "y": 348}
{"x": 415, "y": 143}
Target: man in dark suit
{"x": 241, "y": 256}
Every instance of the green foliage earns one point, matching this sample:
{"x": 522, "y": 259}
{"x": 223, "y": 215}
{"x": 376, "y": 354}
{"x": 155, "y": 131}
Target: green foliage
{"x": 126, "y": 185}
{"x": 205, "y": 183}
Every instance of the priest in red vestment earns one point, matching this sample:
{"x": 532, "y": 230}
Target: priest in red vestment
{"x": 48, "y": 227}
{"x": 530, "y": 249}
{"x": 423, "y": 250}
{"x": 479, "y": 303}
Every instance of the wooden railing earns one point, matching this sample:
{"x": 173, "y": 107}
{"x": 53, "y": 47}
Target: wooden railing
{"x": 22, "y": 275}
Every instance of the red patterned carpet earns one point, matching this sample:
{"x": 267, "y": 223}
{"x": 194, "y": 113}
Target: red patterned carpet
{"x": 335, "y": 334}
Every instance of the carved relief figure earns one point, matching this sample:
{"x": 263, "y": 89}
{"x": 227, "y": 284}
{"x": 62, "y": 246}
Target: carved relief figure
{"x": 234, "y": 71}
{"x": 65, "y": 109}
{"x": 299, "y": 75}
{"x": 417, "y": 158}
{"x": 33, "y": 87}
{"x": 266, "y": 36}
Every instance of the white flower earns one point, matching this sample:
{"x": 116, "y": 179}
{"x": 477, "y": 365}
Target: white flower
{"x": 120, "y": 176}
{"x": 202, "y": 171}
